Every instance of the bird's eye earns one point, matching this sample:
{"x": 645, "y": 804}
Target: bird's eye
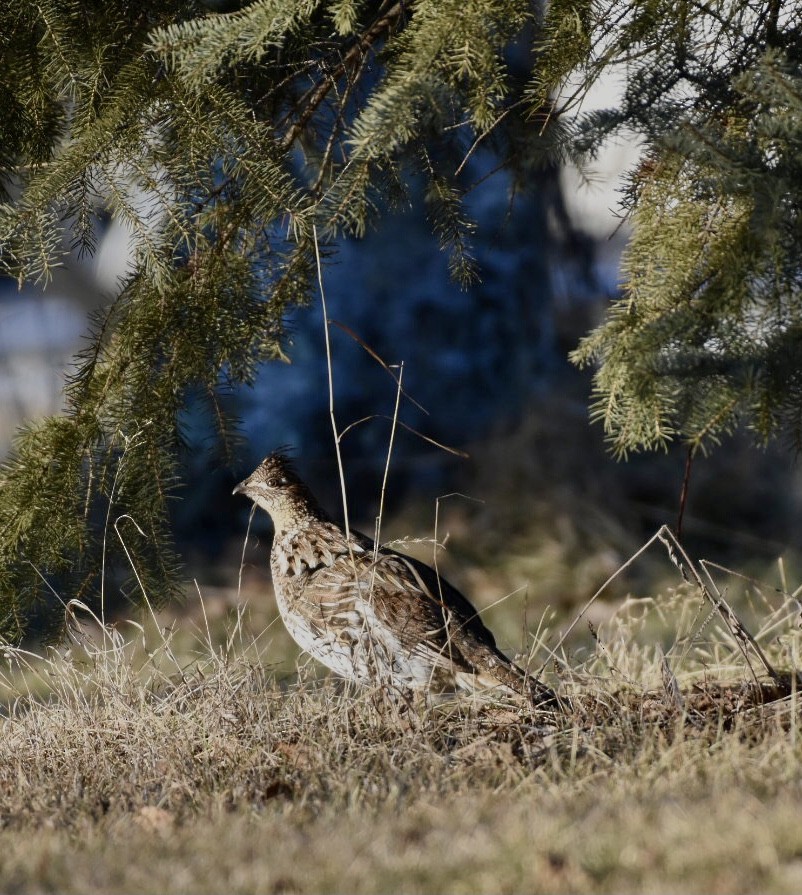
{"x": 272, "y": 482}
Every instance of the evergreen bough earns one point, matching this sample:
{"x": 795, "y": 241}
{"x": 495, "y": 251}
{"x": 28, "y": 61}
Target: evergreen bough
{"x": 706, "y": 334}
{"x": 223, "y": 142}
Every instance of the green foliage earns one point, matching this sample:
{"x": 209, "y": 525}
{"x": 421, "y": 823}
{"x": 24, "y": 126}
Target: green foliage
{"x": 707, "y": 332}
{"x": 222, "y": 142}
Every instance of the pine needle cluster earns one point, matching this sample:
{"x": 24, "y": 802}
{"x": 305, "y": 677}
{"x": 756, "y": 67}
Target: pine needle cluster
{"x": 707, "y": 332}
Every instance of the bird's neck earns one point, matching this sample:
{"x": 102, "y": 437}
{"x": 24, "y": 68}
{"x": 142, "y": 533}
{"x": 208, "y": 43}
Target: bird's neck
{"x": 298, "y": 514}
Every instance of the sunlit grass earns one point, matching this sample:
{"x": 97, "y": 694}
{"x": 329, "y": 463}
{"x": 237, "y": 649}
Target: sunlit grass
{"x": 193, "y": 754}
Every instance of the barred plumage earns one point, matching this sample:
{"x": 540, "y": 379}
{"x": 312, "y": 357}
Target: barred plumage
{"x": 376, "y": 617}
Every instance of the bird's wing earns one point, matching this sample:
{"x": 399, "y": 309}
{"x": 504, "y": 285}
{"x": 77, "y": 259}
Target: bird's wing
{"x": 451, "y": 604}
{"x": 391, "y": 592}
{"x": 464, "y": 629}
{"x": 442, "y": 601}
{"x": 433, "y": 615}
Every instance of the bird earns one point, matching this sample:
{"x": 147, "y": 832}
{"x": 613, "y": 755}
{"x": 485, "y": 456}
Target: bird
{"x": 372, "y": 615}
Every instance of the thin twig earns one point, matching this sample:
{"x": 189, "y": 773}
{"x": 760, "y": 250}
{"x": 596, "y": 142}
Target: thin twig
{"x": 436, "y": 545}
{"x": 129, "y": 443}
{"x": 740, "y": 634}
{"x": 683, "y": 497}
{"x": 393, "y": 427}
{"x": 139, "y": 581}
{"x": 244, "y": 548}
{"x": 379, "y": 360}
{"x": 330, "y": 374}
{"x": 596, "y": 596}
{"x": 319, "y": 93}
{"x": 383, "y": 416}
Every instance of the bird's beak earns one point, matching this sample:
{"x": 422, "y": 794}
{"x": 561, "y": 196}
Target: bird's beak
{"x": 240, "y": 489}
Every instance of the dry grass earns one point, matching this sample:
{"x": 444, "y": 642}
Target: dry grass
{"x": 129, "y": 764}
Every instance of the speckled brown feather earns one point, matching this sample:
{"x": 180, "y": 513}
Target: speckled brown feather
{"x": 375, "y": 616}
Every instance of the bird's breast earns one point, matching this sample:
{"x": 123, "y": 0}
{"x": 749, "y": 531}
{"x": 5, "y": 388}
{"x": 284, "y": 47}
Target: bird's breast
{"x": 305, "y": 551}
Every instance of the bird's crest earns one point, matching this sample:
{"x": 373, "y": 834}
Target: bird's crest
{"x": 278, "y": 469}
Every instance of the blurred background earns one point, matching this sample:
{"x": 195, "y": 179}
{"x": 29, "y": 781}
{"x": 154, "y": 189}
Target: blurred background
{"x": 539, "y": 514}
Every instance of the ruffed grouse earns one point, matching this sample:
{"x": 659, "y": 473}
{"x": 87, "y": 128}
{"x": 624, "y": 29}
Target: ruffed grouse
{"x": 376, "y": 617}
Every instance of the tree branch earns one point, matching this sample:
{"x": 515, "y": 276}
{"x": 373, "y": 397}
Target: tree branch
{"x": 350, "y": 62}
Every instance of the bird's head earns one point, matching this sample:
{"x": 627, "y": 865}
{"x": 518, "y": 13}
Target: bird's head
{"x": 276, "y": 487}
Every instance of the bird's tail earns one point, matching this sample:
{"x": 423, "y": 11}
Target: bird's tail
{"x": 514, "y": 681}
{"x": 541, "y": 696}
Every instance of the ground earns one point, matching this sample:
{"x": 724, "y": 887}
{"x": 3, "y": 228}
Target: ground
{"x": 161, "y": 755}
